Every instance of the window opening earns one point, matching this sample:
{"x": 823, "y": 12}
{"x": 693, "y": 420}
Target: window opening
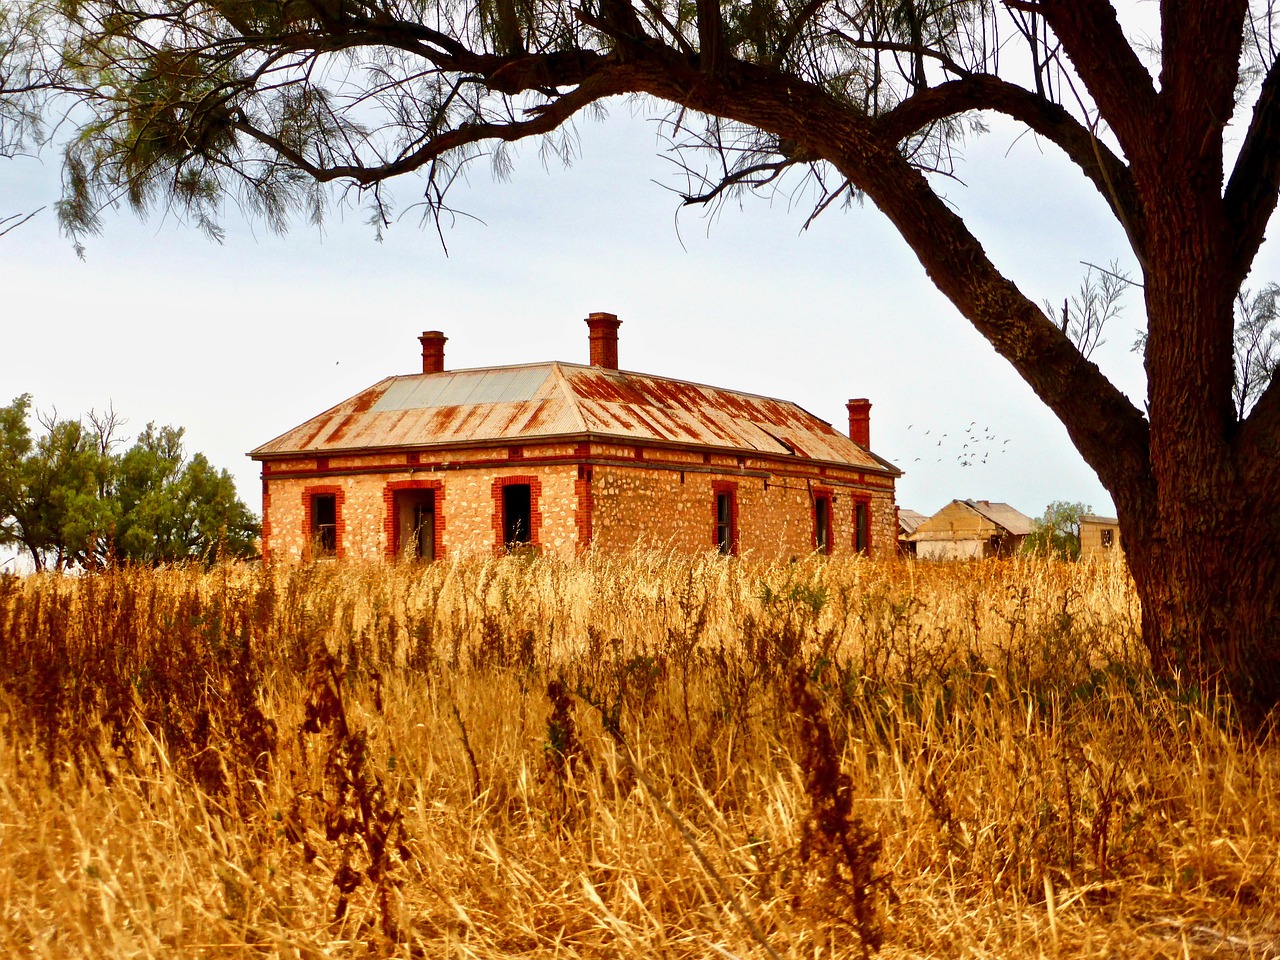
{"x": 726, "y": 535}
{"x": 324, "y": 524}
{"x": 822, "y": 524}
{"x": 517, "y": 514}
{"x": 861, "y": 528}
{"x": 1108, "y": 538}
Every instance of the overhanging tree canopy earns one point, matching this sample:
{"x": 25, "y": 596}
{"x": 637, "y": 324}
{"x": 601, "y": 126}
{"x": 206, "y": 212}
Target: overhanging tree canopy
{"x": 266, "y": 100}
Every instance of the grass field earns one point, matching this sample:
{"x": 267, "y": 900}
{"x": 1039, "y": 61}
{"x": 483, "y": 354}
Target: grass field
{"x": 652, "y": 756}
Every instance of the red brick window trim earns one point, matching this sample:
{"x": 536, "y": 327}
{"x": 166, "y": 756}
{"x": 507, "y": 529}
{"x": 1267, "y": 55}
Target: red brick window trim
{"x": 724, "y": 516}
{"x": 515, "y": 524}
{"x": 861, "y": 536}
{"x": 391, "y": 522}
{"x": 822, "y": 517}
{"x": 583, "y": 516}
{"x": 266, "y": 519}
{"x": 323, "y": 534}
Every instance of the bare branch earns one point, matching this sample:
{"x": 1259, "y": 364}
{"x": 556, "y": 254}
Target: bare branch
{"x": 15, "y": 220}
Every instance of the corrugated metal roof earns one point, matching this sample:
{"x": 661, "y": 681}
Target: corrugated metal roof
{"x": 943, "y": 524}
{"x": 1019, "y": 524}
{"x": 465, "y": 387}
{"x": 541, "y": 401}
{"x": 908, "y": 520}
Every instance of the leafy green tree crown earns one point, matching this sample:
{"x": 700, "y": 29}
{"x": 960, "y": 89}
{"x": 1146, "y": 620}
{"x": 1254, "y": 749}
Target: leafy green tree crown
{"x": 68, "y": 499}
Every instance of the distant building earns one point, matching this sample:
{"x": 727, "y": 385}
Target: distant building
{"x": 562, "y": 456}
{"x": 1100, "y": 537}
{"x": 970, "y": 529}
{"x": 908, "y": 522}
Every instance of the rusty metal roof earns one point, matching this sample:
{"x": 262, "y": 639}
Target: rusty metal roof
{"x": 943, "y": 524}
{"x": 1017, "y": 523}
{"x": 548, "y": 400}
{"x": 909, "y": 520}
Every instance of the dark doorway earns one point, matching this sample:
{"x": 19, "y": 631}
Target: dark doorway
{"x": 416, "y": 523}
{"x": 517, "y": 514}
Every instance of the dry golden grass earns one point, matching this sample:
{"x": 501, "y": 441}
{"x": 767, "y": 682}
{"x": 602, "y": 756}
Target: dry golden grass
{"x": 651, "y": 756}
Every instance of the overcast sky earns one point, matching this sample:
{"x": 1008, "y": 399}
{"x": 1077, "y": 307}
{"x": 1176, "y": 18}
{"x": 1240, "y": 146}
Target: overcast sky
{"x": 241, "y": 341}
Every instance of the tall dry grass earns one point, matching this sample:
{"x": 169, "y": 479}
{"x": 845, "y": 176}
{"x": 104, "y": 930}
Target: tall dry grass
{"x": 643, "y": 756}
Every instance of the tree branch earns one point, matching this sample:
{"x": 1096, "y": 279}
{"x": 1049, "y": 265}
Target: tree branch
{"x": 1107, "y": 172}
{"x": 1251, "y": 194}
{"x": 1258, "y": 440}
{"x": 1109, "y": 431}
{"x": 1116, "y": 79}
{"x": 545, "y": 118}
{"x": 739, "y": 178}
{"x": 1198, "y": 40}
{"x": 915, "y": 49}
{"x": 712, "y": 54}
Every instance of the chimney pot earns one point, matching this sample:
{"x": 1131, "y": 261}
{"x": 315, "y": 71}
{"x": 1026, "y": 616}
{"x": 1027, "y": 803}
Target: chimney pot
{"x": 604, "y": 340}
{"x": 432, "y": 351}
{"x": 860, "y": 422}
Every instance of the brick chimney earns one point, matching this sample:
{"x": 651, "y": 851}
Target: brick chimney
{"x": 604, "y": 340}
{"x": 860, "y": 422}
{"x": 432, "y": 351}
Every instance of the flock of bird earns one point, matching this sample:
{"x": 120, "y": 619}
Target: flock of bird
{"x": 975, "y": 448}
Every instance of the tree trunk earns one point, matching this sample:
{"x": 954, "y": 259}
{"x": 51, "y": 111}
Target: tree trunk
{"x": 1203, "y": 545}
{"x": 1211, "y": 609}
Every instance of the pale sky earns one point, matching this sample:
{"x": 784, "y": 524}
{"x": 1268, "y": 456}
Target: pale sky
{"x": 241, "y": 341}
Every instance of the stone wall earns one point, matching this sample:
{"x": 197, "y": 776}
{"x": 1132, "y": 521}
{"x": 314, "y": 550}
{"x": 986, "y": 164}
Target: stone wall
{"x": 676, "y": 510}
{"x": 465, "y": 501}
{"x": 612, "y": 505}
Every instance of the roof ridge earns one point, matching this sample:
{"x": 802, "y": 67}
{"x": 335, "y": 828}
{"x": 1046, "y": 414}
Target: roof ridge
{"x": 569, "y": 394}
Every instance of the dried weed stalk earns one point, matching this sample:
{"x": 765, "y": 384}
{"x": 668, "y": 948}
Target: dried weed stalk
{"x": 365, "y": 826}
{"x": 836, "y": 845}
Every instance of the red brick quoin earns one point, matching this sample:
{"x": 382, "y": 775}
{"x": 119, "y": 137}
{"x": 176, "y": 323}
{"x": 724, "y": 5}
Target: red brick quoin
{"x": 266, "y": 520}
{"x": 391, "y": 528}
{"x": 585, "y": 506}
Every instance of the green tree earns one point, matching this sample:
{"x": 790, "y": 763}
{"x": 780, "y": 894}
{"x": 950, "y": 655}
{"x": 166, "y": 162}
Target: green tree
{"x": 187, "y": 102}
{"x": 52, "y": 507}
{"x": 174, "y": 509}
{"x": 1057, "y": 532}
{"x": 15, "y": 450}
{"x": 69, "y": 501}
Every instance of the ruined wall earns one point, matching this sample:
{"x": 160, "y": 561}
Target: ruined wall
{"x": 675, "y": 510}
{"x": 465, "y": 502}
{"x": 613, "y": 506}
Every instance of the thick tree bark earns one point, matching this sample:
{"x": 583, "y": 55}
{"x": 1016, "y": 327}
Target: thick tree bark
{"x": 1202, "y": 545}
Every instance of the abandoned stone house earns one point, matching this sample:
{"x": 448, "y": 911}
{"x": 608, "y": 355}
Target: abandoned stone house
{"x": 969, "y": 529}
{"x": 562, "y": 456}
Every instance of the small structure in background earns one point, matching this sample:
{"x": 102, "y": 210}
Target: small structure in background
{"x": 908, "y": 522}
{"x": 561, "y": 456}
{"x": 1100, "y": 537}
{"x": 971, "y": 529}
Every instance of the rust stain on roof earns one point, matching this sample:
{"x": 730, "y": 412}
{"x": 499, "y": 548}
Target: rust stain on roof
{"x": 536, "y": 401}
